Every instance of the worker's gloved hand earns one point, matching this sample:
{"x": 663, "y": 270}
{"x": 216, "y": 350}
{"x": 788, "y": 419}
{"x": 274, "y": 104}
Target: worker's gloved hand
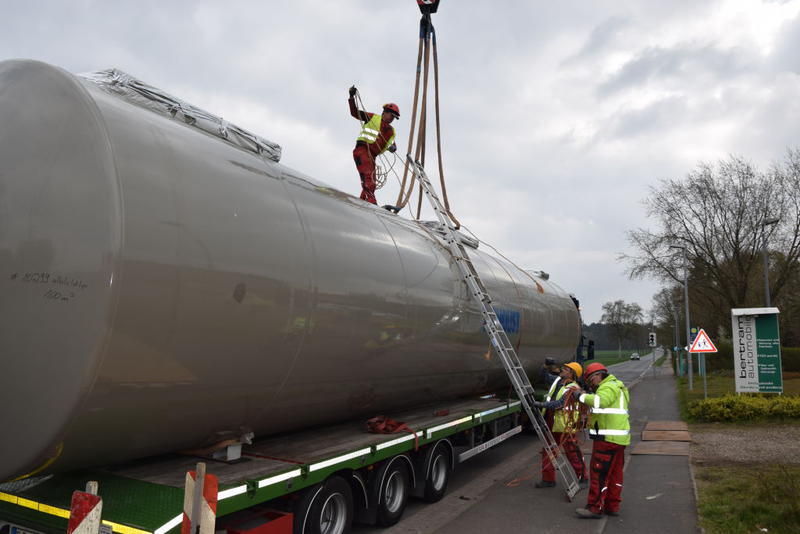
{"x": 353, "y": 91}
{"x": 393, "y": 148}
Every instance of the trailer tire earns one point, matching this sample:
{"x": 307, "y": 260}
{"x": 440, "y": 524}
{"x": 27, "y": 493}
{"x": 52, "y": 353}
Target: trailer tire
{"x": 325, "y": 508}
{"x": 438, "y": 473}
{"x": 394, "y": 488}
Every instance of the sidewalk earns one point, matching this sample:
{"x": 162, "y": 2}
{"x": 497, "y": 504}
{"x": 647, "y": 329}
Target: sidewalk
{"x": 657, "y": 497}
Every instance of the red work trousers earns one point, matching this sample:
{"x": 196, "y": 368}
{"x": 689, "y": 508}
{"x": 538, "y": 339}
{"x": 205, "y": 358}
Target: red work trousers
{"x": 366, "y": 170}
{"x": 605, "y": 483}
{"x": 569, "y": 444}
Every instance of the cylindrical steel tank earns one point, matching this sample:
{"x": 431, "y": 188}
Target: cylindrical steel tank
{"x": 161, "y": 288}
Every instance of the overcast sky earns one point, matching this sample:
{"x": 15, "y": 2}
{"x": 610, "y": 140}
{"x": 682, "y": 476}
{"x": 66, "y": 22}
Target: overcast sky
{"x": 556, "y": 116}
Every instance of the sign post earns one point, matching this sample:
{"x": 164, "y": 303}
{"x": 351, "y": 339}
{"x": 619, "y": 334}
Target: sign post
{"x": 702, "y": 344}
{"x": 756, "y": 350}
{"x": 692, "y": 336}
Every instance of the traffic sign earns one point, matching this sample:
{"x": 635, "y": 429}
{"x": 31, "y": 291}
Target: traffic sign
{"x": 702, "y": 343}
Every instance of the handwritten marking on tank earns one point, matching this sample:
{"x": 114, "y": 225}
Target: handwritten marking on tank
{"x": 67, "y": 287}
{"x": 34, "y": 278}
{"x": 52, "y": 294}
{"x": 239, "y": 292}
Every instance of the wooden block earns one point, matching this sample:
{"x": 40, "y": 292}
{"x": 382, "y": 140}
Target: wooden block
{"x": 662, "y": 448}
{"x": 666, "y": 435}
{"x": 666, "y": 425}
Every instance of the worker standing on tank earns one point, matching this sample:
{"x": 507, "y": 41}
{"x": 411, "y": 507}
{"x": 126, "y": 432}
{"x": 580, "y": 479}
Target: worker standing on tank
{"x": 609, "y": 428}
{"x": 561, "y": 416}
{"x": 377, "y": 136}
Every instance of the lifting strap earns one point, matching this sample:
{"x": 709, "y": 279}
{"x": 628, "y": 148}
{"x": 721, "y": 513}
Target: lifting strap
{"x": 384, "y": 425}
{"x": 427, "y": 44}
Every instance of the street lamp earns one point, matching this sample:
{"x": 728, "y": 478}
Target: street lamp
{"x": 686, "y": 301}
{"x": 677, "y": 340}
{"x": 767, "y": 222}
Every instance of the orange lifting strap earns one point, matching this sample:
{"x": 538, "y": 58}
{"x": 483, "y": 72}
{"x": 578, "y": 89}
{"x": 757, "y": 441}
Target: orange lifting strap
{"x": 427, "y": 42}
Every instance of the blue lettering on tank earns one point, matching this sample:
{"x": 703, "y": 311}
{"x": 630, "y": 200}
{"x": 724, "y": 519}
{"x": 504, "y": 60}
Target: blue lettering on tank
{"x": 509, "y": 319}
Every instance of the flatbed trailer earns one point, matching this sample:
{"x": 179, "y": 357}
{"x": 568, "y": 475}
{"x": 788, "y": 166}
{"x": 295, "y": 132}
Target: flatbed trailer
{"x": 297, "y": 482}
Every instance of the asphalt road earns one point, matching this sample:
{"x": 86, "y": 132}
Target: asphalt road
{"x": 470, "y": 483}
{"x": 632, "y": 371}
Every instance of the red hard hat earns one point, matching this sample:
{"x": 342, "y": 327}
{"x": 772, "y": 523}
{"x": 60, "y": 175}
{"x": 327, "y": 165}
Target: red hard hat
{"x": 393, "y": 109}
{"x": 592, "y": 368}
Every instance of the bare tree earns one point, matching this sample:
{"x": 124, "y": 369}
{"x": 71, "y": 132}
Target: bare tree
{"x": 622, "y": 318}
{"x": 667, "y": 310}
{"x": 718, "y": 215}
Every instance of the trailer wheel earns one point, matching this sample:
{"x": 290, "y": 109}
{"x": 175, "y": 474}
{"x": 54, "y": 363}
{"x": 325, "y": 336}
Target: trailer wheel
{"x": 326, "y": 508}
{"x": 393, "y": 491}
{"x": 438, "y": 473}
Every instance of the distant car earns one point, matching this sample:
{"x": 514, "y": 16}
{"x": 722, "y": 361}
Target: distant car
{"x": 635, "y": 356}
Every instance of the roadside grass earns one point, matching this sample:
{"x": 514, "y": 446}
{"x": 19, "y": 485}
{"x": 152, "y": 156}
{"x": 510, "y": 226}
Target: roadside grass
{"x": 610, "y": 357}
{"x": 741, "y": 498}
{"x": 737, "y": 497}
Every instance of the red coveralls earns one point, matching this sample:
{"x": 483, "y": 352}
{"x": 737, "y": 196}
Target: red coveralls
{"x": 609, "y": 427}
{"x": 569, "y": 443}
{"x": 605, "y": 488}
{"x": 364, "y": 154}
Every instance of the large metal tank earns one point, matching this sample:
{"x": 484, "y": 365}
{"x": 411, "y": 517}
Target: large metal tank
{"x": 162, "y": 288}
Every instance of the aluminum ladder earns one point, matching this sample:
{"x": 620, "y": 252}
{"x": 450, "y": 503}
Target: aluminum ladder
{"x": 497, "y": 335}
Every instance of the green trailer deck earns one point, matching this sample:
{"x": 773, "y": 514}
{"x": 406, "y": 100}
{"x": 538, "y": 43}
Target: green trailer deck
{"x": 146, "y": 496}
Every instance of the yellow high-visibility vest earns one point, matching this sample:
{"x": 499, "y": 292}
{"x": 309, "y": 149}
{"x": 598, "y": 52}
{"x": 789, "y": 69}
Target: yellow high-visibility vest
{"x": 371, "y": 130}
{"x": 566, "y": 416}
{"x": 609, "y": 418}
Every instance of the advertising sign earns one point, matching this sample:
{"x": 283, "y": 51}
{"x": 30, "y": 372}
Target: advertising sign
{"x": 756, "y": 350}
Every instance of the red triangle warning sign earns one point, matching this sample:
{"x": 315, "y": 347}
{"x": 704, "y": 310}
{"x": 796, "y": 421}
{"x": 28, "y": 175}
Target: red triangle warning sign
{"x": 702, "y": 343}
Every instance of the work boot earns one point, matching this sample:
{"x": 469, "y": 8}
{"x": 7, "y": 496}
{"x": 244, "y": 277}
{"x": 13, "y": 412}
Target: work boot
{"x": 585, "y": 513}
{"x": 611, "y": 513}
{"x": 544, "y": 484}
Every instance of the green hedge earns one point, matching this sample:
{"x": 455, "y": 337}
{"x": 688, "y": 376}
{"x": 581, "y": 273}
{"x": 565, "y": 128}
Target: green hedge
{"x": 723, "y": 360}
{"x": 745, "y": 408}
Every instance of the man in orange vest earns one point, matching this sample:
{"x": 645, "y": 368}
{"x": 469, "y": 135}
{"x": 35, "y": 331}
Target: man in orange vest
{"x": 377, "y": 136}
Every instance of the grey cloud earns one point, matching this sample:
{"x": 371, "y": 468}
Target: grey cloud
{"x": 659, "y": 116}
{"x": 686, "y": 62}
{"x": 786, "y": 56}
{"x": 599, "y": 39}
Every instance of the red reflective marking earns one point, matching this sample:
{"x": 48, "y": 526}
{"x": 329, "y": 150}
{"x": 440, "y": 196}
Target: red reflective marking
{"x": 210, "y": 491}
{"x": 81, "y": 506}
